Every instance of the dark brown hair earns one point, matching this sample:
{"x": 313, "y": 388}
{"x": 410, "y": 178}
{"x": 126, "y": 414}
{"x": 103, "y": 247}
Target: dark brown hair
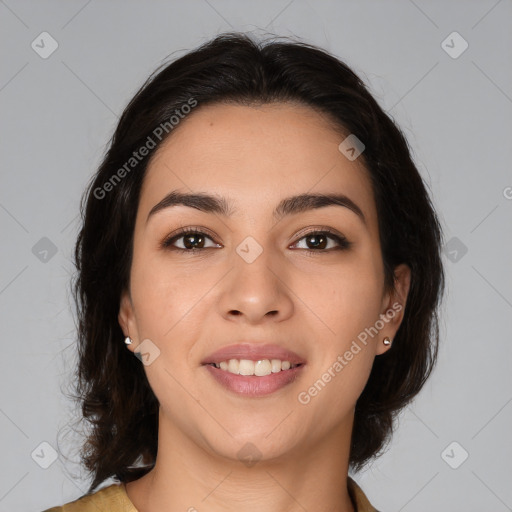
{"x": 111, "y": 385}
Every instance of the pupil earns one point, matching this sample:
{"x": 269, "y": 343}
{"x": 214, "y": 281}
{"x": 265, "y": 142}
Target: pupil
{"x": 318, "y": 237}
{"x": 188, "y": 245}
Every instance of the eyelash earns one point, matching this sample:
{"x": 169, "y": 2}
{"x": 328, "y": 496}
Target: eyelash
{"x": 341, "y": 240}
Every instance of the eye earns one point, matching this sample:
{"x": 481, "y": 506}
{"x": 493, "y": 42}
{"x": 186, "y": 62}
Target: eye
{"x": 191, "y": 239}
{"x": 323, "y": 240}
{"x": 317, "y": 241}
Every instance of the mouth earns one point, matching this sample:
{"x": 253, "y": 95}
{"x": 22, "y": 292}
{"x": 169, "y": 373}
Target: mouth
{"x": 254, "y": 369}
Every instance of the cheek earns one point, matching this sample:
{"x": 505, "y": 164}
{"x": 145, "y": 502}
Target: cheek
{"x": 344, "y": 380}
{"x": 165, "y": 298}
{"x": 345, "y": 299}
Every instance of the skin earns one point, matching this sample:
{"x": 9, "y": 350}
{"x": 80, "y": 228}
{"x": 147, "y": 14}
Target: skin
{"x": 189, "y": 305}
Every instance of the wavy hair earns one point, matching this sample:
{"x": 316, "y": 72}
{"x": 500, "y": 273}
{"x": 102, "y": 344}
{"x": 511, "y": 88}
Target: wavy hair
{"x": 111, "y": 386}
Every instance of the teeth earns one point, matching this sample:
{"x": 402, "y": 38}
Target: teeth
{"x": 233, "y": 365}
{"x": 258, "y": 368}
{"x": 276, "y": 365}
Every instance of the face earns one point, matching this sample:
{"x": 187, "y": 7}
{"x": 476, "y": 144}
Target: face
{"x": 309, "y": 280}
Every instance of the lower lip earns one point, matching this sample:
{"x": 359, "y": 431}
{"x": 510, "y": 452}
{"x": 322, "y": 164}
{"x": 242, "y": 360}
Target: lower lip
{"x": 251, "y": 385}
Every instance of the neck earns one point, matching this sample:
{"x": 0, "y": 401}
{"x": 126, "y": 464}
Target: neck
{"x": 191, "y": 477}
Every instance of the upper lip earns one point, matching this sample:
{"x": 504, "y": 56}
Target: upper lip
{"x": 254, "y": 352}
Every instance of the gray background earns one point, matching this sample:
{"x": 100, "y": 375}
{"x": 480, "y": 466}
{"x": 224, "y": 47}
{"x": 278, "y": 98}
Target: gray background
{"x": 57, "y": 116}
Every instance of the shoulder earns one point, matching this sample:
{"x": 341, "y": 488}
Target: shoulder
{"x": 361, "y": 502}
{"x": 109, "y": 499}
{"x": 114, "y": 499}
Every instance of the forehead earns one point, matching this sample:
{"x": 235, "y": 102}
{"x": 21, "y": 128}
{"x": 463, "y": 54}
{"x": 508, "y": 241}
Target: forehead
{"x": 255, "y": 156}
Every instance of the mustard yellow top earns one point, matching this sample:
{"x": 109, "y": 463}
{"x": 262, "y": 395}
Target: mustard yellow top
{"x": 114, "y": 499}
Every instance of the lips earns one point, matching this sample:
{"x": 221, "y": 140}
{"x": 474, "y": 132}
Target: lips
{"x": 253, "y": 386}
{"x": 253, "y": 352}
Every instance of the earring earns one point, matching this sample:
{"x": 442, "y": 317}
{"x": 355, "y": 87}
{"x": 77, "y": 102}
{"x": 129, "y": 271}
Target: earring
{"x": 386, "y": 341}
{"x": 128, "y": 340}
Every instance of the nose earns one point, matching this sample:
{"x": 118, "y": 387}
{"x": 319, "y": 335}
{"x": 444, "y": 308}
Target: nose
{"x": 256, "y": 292}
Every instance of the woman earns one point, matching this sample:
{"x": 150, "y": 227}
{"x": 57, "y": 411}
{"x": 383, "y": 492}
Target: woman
{"x": 262, "y": 242}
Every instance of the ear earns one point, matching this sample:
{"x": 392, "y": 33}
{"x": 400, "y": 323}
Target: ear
{"x": 393, "y": 306}
{"x": 126, "y": 318}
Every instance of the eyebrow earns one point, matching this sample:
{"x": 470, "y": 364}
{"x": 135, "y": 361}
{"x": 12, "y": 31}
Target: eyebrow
{"x": 288, "y": 206}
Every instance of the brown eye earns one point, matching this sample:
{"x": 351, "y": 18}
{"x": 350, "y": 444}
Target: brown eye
{"x": 319, "y": 241}
{"x": 193, "y": 241}
{"x": 188, "y": 240}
